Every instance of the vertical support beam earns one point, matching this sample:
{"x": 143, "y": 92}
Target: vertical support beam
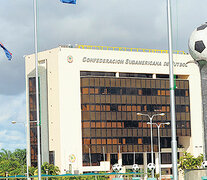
{"x": 108, "y": 157}
{"x": 120, "y": 158}
{"x": 157, "y": 163}
{"x": 43, "y": 101}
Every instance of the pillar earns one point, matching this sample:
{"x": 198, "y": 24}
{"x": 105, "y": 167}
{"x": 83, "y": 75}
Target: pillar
{"x": 157, "y": 163}
{"x": 145, "y": 165}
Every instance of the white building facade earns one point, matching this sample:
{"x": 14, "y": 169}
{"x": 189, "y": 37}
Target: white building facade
{"x": 89, "y": 100}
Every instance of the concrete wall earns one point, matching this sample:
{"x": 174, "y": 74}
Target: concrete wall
{"x": 195, "y": 174}
{"x": 49, "y": 75}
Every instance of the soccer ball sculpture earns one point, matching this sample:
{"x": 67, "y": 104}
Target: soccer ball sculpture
{"x": 117, "y": 167}
{"x": 151, "y": 166}
{"x": 135, "y": 167}
{"x": 204, "y": 164}
{"x": 198, "y": 43}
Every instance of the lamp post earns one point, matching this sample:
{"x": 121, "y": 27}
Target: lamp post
{"x": 158, "y": 131}
{"x": 14, "y": 122}
{"x": 151, "y": 118}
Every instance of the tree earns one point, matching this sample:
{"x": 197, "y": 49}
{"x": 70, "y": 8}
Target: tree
{"x": 10, "y": 166}
{"x": 188, "y": 161}
{"x": 32, "y": 170}
{"x": 20, "y": 155}
{"x": 13, "y": 163}
{"x": 5, "y": 154}
{"x": 52, "y": 169}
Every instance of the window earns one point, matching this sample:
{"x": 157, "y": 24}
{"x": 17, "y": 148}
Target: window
{"x": 146, "y": 140}
{"x": 135, "y": 75}
{"x": 86, "y": 125}
{"x": 128, "y": 124}
{"x": 113, "y": 107}
{"x": 127, "y": 159}
{"x": 113, "y": 90}
{"x": 165, "y": 142}
{"x": 114, "y": 158}
{"x": 165, "y": 76}
{"x": 146, "y": 91}
{"x": 181, "y": 108}
{"x": 94, "y": 73}
{"x": 131, "y": 140}
{"x": 52, "y": 157}
{"x": 32, "y": 85}
{"x": 84, "y": 90}
{"x": 131, "y": 91}
{"x": 149, "y": 159}
{"x": 166, "y": 158}
{"x": 180, "y": 92}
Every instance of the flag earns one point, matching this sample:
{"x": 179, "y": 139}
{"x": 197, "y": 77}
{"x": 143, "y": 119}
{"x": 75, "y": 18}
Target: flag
{"x": 69, "y": 1}
{"x": 8, "y": 54}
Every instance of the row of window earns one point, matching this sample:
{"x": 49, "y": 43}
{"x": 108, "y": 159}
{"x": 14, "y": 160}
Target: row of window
{"x": 94, "y": 73}
{"x": 132, "y": 91}
{"x": 127, "y": 159}
{"x": 113, "y": 74}
{"x": 164, "y": 142}
{"x": 131, "y": 132}
{"x": 133, "y": 107}
{"x": 33, "y": 127}
{"x": 132, "y": 99}
{"x": 130, "y": 124}
{"x": 110, "y": 116}
{"x": 132, "y": 83}
{"x": 118, "y": 148}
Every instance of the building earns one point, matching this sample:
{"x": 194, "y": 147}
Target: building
{"x": 89, "y": 100}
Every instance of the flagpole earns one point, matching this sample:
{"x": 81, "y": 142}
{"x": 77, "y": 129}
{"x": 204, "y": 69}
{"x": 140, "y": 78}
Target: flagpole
{"x": 37, "y": 90}
{"x": 172, "y": 94}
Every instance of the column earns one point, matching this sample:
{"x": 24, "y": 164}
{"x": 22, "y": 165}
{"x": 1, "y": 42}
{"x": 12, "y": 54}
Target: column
{"x": 145, "y": 165}
{"x": 120, "y": 158}
{"x": 108, "y": 157}
{"x": 157, "y": 163}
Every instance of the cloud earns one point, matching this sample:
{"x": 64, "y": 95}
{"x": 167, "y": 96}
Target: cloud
{"x": 139, "y": 24}
{"x": 12, "y": 139}
{"x": 12, "y": 108}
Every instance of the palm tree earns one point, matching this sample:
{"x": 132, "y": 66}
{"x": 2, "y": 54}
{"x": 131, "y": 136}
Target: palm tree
{"x": 5, "y": 154}
{"x": 13, "y": 163}
{"x": 20, "y": 155}
{"x": 52, "y": 169}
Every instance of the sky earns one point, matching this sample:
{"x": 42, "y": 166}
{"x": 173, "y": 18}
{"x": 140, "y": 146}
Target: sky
{"x": 120, "y": 23}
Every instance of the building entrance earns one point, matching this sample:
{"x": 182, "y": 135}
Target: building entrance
{"x": 114, "y": 159}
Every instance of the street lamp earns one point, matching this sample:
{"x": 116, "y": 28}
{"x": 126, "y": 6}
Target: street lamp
{"x": 14, "y": 122}
{"x": 151, "y": 118}
{"x": 158, "y": 131}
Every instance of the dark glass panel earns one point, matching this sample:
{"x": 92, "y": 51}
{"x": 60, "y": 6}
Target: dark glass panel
{"x": 166, "y": 158}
